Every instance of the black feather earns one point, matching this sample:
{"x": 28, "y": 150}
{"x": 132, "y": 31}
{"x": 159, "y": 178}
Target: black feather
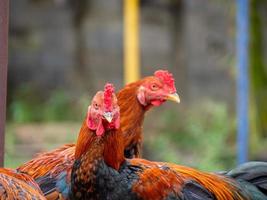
{"x": 254, "y": 173}
{"x": 194, "y": 191}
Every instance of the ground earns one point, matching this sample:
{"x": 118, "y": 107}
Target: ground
{"x": 23, "y": 141}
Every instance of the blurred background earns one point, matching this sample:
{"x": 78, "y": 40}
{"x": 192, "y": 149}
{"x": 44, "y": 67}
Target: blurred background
{"x": 62, "y": 51}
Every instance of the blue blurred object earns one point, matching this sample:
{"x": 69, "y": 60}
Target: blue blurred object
{"x": 242, "y": 39}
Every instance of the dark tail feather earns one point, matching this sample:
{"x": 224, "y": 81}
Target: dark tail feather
{"x": 47, "y": 184}
{"x": 254, "y": 173}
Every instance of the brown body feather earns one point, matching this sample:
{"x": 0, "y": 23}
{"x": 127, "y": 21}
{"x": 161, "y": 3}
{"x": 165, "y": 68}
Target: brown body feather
{"x": 15, "y": 185}
{"x": 52, "y": 162}
{"x": 158, "y": 179}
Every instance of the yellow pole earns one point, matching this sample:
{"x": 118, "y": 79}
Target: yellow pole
{"x": 131, "y": 41}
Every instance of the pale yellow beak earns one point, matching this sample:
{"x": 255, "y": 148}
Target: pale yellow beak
{"x": 108, "y": 116}
{"x": 173, "y": 97}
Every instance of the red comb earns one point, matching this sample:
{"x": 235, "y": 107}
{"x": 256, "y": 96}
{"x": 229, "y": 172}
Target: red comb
{"x": 108, "y": 92}
{"x": 167, "y": 78}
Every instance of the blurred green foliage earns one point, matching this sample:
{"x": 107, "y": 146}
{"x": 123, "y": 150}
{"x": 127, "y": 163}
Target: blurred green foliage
{"x": 11, "y": 159}
{"x": 23, "y": 141}
{"x": 202, "y": 137}
{"x": 258, "y": 73}
{"x": 58, "y": 106}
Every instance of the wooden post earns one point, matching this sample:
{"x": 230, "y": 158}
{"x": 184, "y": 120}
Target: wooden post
{"x": 131, "y": 41}
{"x": 4, "y": 6}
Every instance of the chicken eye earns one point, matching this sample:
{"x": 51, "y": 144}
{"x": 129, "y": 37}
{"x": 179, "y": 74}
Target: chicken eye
{"x": 154, "y": 87}
{"x": 96, "y": 106}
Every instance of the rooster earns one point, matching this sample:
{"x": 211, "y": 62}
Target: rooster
{"x": 15, "y": 185}
{"x": 100, "y": 170}
{"x": 135, "y": 99}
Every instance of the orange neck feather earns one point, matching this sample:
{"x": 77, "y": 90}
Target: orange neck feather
{"x": 128, "y": 96}
{"x": 132, "y": 112}
{"x": 112, "y": 149}
{"x": 84, "y": 140}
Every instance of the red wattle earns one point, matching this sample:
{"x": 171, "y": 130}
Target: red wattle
{"x": 100, "y": 129}
{"x": 156, "y": 102}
